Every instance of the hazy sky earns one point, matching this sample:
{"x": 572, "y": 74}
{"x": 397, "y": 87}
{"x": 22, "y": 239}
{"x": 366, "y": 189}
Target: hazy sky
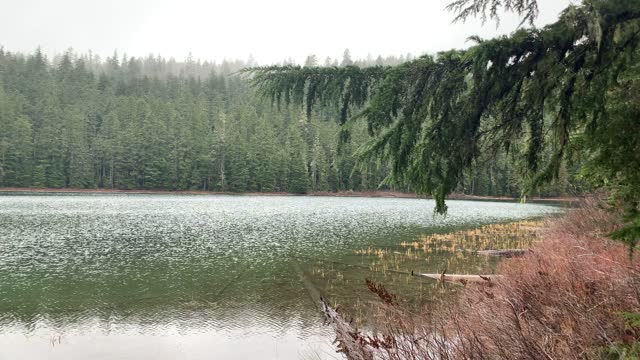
{"x": 270, "y": 30}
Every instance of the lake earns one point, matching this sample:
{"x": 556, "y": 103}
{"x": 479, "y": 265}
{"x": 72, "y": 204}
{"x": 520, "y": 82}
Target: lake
{"x": 194, "y": 276}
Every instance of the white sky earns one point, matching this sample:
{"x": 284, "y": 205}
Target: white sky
{"x": 270, "y": 30}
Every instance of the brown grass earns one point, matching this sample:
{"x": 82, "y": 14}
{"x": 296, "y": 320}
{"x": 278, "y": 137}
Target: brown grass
{"x": 561, "y": 301}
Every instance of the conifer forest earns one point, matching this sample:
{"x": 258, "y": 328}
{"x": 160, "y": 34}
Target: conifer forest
{"x": 78, "y": 121}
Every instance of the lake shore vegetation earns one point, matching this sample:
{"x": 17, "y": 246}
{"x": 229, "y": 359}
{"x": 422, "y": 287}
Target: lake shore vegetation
{"x": 572, "y": 295}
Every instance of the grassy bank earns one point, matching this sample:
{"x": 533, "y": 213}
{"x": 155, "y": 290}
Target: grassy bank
{"x": 568, "y": 298}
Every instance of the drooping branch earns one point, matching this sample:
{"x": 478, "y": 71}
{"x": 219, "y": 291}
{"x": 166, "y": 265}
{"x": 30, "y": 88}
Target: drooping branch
{"x": 430, "y": 117}
{"x": 346, "y": 87}
{"x": 464, "y": 9}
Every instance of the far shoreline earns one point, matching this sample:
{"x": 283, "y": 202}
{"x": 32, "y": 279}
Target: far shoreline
{"x": 363, "y": 194}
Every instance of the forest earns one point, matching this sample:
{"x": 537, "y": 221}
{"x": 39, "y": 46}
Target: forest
{"x": 551, "y": 109}
{"x": 79, "y": 121}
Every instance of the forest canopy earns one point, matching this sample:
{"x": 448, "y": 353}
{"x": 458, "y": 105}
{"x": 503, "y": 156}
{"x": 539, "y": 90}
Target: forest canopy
{"x": 567, "y": 91}
{"x": 80, "y": 121}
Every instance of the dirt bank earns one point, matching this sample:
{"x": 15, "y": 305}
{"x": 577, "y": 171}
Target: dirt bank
{"x": 382, "y": 194}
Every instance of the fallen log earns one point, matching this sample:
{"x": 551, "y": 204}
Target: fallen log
{"x": 504, "y": 253}
{"x": 349, "y": 340}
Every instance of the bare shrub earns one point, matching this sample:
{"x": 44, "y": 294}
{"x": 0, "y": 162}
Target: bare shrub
{"x": 562, "y": 300}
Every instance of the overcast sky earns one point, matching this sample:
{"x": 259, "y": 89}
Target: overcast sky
{"x": 270, "y": 30}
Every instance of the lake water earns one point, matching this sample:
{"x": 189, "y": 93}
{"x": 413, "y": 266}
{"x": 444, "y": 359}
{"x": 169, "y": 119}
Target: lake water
{"x": 193, "y": 277}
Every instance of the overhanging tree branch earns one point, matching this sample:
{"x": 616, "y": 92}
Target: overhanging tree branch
{"x": 429, "y": 117}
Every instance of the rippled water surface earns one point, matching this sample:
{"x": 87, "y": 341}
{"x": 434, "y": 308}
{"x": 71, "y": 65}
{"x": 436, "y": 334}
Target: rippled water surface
{"x": 197, "y": 277}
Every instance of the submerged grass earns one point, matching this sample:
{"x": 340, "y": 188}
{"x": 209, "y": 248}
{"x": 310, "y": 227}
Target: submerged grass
{"x": 454, "y": 252}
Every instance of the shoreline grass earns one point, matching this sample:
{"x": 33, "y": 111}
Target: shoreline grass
{"x": 571, "y": 297}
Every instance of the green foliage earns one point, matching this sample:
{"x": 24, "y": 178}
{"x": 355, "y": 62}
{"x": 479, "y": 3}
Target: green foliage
{"x": 527, "y": 9}
{"x": 157, "y": 124}
{"x": 542, "y": 95}
{"x": 633, "y": 319}
{"x": 630, "y": 349}
{"x": 346, "y": 87}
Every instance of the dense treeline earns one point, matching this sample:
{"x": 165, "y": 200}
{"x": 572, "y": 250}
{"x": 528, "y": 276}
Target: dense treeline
{"x": 157, "y": 124}
{"x": 152, "y": 123}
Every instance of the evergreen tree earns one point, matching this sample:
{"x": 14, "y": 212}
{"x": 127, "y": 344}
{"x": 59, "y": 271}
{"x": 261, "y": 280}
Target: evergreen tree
{"x": 297, "y": 176}
{"x": 541, "y": 91}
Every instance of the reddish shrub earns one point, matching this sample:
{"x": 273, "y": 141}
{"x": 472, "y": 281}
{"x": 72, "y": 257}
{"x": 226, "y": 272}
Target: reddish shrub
{"x": 560, "y": 301}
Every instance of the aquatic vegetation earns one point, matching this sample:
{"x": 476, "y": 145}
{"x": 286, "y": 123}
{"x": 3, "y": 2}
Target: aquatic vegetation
{"x": 514, "y": 235}
{"x": 343, "y": 282}
{"x": 574, "y": 296}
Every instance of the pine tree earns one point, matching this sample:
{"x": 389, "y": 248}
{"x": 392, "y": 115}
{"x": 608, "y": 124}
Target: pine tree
{"x": 265, "y": 155}
{"x": 346, "y": 58}
{"x": 297, "y": 176}
{"x": 221, "y": 151}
